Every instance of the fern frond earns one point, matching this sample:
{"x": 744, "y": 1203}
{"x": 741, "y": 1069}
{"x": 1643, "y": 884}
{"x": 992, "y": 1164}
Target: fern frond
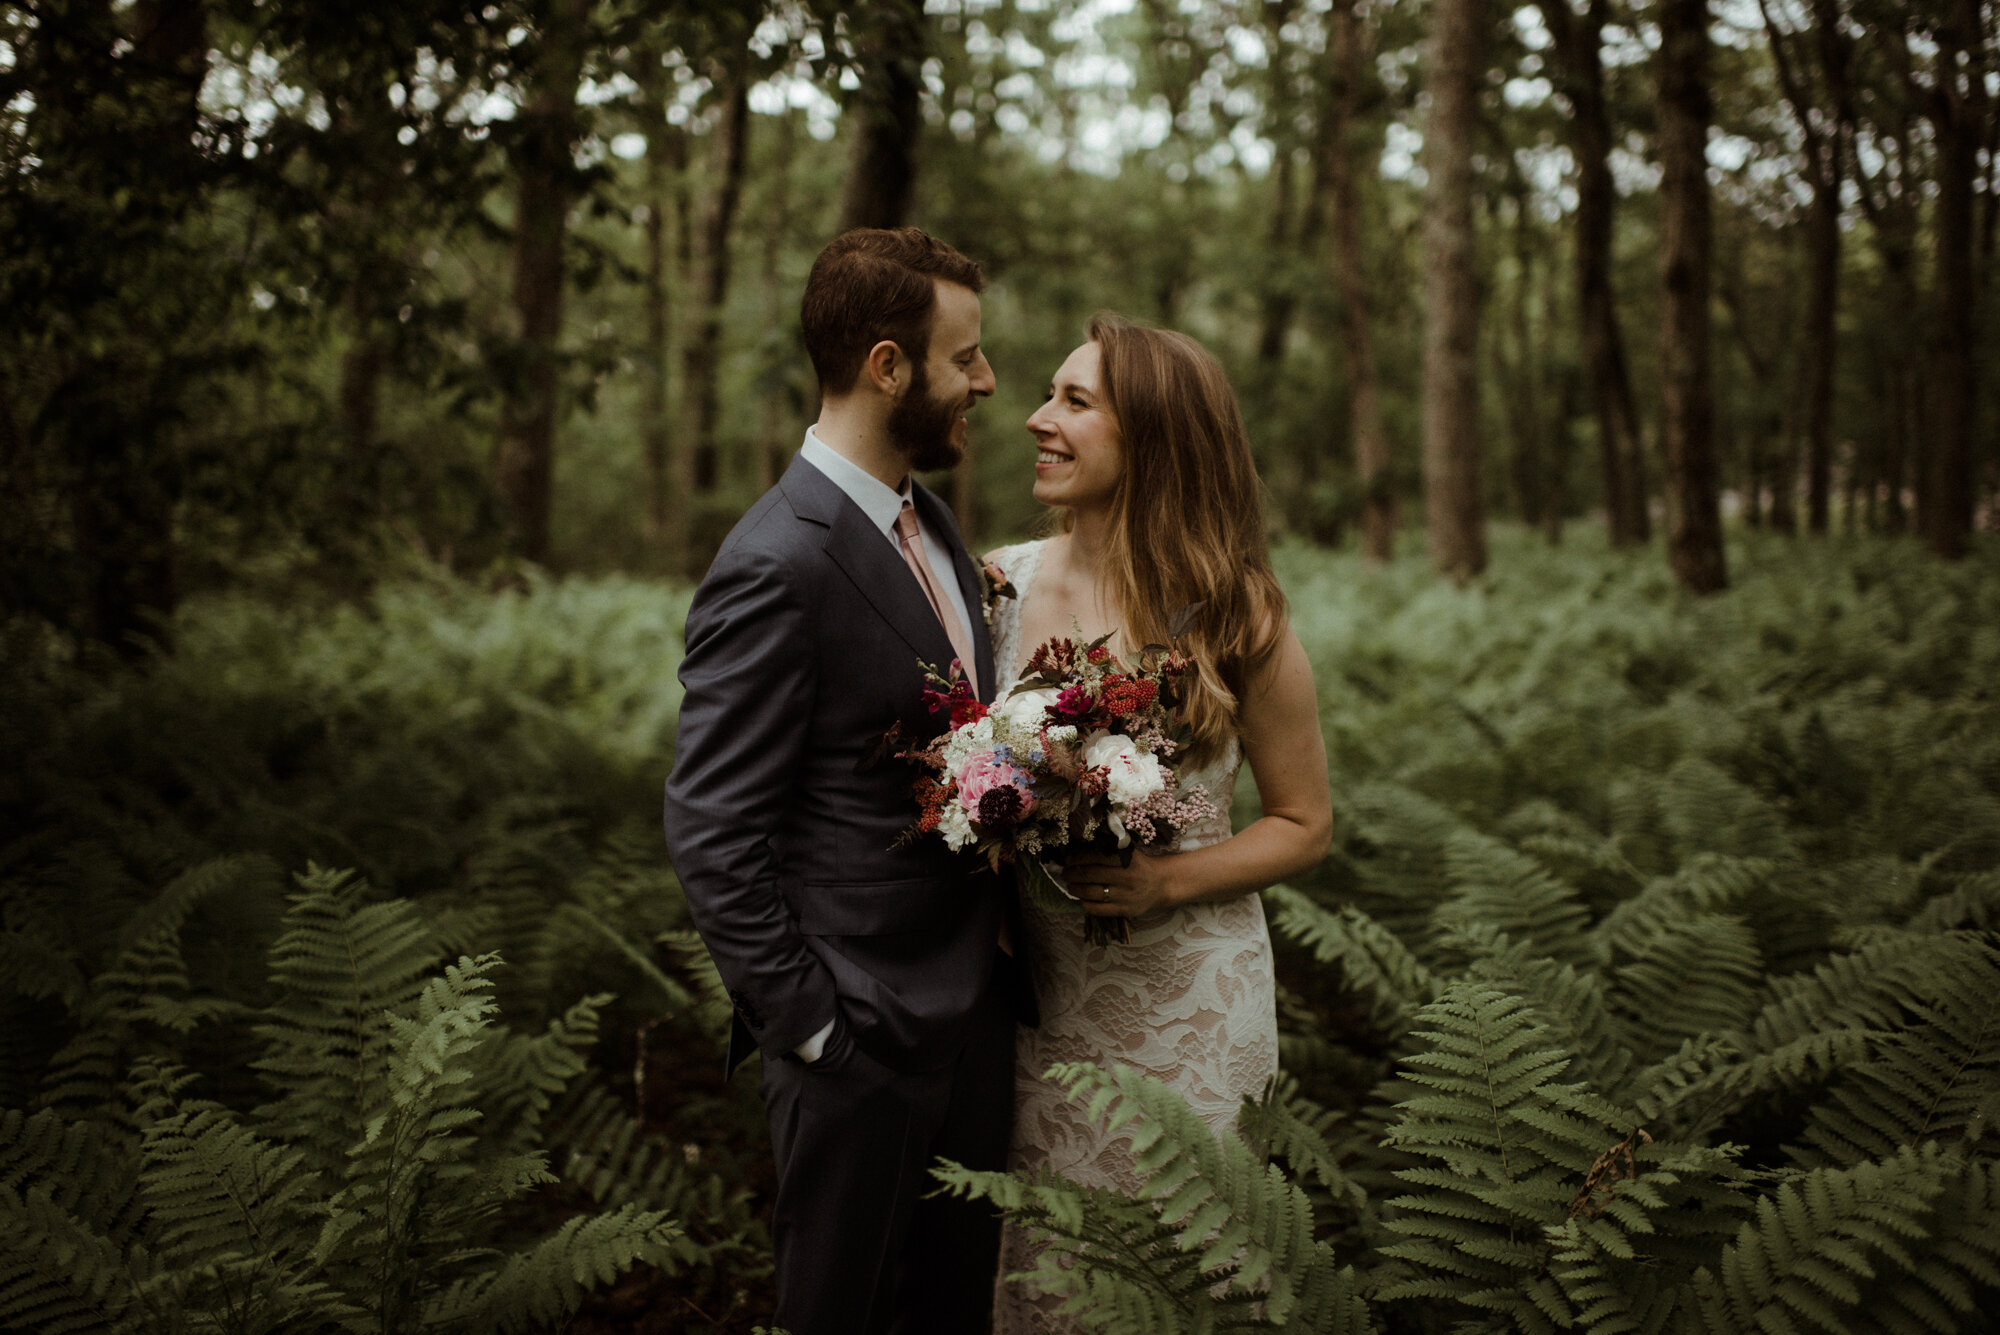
{"x": 1820, "y": 1022}
{"x": 1954, "y": 1281}
{"x": 416, "y": 1140}
{"x": 1693, "y": 975}
{"x": 87, "y": 1169}
{"x": 1404, "y": 834}
{"x": 1216, "y": 1236}
{"x": 145, "y": 989}
{"x": 341, "y": 966}
{"x": 213, "y": 1188}
{"x": 1569, "y": 1002}
{"x": 1373, "y": 960}
{"x": 1290, "y": 1126}
{"x": 712, "y": 1005}
{"x": 58, "y": 1275}
{"x": 1809, "y": 1259}
{"x": 1241, "y": 1215}
{"x": 1973, "y": 903}
{"x": 1502, "y": 890}
{"x": 1708, "y": 811}
{"x": 1707, "y": 883}
{"x": 521, "y": 1076}
{"x": 1112, "y": 1259}
{"x": 1935, "y": 1079}
{"x": 544, "y": 1285}
{"x": 1648, "y": 1216}
{"x": 1502, "y": 1149}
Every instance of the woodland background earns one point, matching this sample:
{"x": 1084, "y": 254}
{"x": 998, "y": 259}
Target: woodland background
{"x": 375, "y": 380}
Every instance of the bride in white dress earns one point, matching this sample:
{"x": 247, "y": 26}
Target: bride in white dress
{"x": 1142, "y": 450}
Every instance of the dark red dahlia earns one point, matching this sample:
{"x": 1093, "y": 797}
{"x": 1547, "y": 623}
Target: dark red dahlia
{"x": 999, "y": 808}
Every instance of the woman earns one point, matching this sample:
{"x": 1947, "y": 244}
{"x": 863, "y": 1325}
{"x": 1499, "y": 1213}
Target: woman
{"x": 1143, "y": 453}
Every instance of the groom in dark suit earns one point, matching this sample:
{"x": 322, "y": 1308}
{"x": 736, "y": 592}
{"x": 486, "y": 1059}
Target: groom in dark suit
{"x": 869, "y": 976}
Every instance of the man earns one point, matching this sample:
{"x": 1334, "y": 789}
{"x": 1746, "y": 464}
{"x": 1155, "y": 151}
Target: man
{"x": 866, "y": 974}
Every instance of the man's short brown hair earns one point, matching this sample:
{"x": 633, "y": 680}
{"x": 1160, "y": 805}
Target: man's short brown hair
{"x": 872, "y": 284}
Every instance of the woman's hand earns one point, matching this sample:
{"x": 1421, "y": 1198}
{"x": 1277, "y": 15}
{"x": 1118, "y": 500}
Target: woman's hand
{"x": 1108, "y": 890}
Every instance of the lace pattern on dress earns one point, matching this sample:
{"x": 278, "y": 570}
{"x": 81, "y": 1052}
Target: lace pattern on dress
{"x": 1191, "y": 1001}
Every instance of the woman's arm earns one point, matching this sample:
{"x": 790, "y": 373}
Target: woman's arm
{"x": 1279, "y": 718}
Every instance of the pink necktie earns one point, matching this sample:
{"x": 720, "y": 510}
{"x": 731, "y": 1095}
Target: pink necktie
{"x": 913, "y": 552}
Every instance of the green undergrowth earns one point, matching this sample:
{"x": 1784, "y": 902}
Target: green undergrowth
{"x": 1648, "y": 986}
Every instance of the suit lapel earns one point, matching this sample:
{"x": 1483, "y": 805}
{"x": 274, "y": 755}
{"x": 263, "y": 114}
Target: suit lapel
{"x": 875, "y": 567}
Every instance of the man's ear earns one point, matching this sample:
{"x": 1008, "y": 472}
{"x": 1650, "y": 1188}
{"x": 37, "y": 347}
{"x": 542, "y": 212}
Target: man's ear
{"x": 887, "y": 368}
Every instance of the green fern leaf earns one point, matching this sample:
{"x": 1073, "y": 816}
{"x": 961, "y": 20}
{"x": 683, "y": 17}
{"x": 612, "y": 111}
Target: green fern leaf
{"x": 543, "y": 1286}
{"x": 1811, "y": 1257}
{"x": 1373, "y": 960}
{"x": 1498, "y": 889}
{"x": 1930, "y": 1080}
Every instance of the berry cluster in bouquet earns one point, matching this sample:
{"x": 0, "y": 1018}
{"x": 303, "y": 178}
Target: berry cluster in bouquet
{"x": 1076, "y": 758}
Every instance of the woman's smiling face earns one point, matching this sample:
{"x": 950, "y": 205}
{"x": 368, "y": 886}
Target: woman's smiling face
{"x": 1080, "y": 451}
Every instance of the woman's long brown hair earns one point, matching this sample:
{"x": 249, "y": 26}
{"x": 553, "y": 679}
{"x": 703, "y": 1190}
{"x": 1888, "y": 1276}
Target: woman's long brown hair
{"x": 1188, "y": 518}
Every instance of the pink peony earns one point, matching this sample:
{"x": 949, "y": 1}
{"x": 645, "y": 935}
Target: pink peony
{"x": 985, "y": 772}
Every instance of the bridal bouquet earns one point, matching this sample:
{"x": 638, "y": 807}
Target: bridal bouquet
{"x": 1075, "y": 758}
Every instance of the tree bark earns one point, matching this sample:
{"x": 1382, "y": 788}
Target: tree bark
{"x": 888, "y": 112}
{"x": 1888, "y": 201}
{"x": 123, "y": 477}
{"x": 1694, "y": 519}
{"x": 665, "y": 152}
{"x": 525, "y": 467}
{"x": 1826, "y": 161}
{"x": 775, "y": 414}
{"x": 1578, "y": 40}
{"x": 698, "y": 459}
{"x": 1956, "y": 112}
{"x": 1454, "y": 514}
{"x": 1337, "y": 175}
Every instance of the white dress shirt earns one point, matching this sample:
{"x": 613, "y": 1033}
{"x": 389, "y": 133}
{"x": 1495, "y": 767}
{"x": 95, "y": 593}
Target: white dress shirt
{"x": 881, "y": 503}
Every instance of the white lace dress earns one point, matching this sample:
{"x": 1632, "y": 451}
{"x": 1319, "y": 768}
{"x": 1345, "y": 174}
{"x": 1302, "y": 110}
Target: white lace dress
{"x": 1191, "y": 1000}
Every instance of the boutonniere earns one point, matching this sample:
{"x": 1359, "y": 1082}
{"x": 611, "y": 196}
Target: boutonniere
{"x": 996, "y": 585}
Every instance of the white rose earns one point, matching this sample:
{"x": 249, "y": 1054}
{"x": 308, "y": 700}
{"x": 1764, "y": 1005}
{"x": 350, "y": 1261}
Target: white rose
{"x": 1134, "y": 775}
{"x": 1026, "y": 708}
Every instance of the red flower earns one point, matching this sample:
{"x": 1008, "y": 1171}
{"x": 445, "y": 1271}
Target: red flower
{"x": 1125, "y": 696}
{"x": 1099, "y": 654}
{"x": 1073, "y": 703}
{"x": 958, "y": 701}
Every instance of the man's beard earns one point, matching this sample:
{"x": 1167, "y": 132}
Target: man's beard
{"x": 920, "y": 427}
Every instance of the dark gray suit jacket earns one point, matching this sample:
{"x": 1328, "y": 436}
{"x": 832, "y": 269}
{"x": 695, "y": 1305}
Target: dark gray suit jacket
{"x": 803, "y": 646}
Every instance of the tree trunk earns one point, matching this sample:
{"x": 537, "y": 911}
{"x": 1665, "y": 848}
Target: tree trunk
{"x": 888, "y": 114}
{"x": 1350, "y": 268}
{"x": 1694, "y": 519}
{"x": 667, "y": 158}
{"x": 1524, "y": 376}
{"x": 697, "y": 456}
{"x": 1822, "y": 337}
{"x": 1826, "y": 161}
{"x": 1621, "y": 457}
{"x": 774, "y": 414}
{"x": 1956, "y": 123}
{"x": 1453, "y": 511}
{"x": 546, "y": 168}
{"x": 653, "y": 403}
{"x": 124, "y": 479}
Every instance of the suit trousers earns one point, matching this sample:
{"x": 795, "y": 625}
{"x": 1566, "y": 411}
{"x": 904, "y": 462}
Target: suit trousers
{"x": 859, "y": 1249}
